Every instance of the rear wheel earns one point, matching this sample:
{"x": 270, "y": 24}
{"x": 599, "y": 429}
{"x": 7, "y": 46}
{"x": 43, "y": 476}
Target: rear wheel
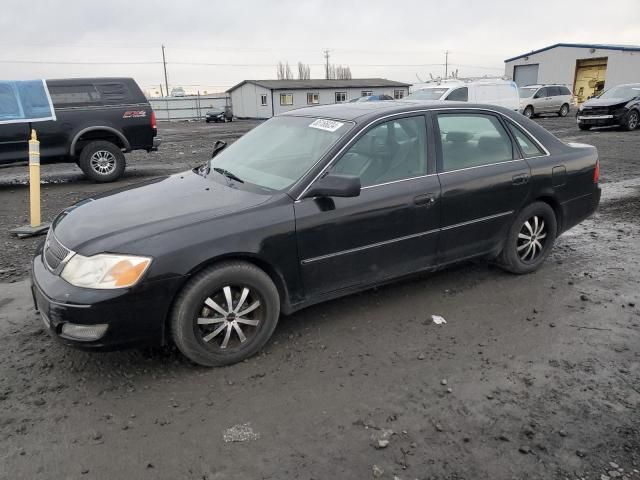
{"x": 530, "y": 239}
{"x": 564, "y": 110}
{"x": 631, "y": 123}
{"x": 225, "y": 314}
{"x": 102, "y": 161}
{"x": 528, "y": 111}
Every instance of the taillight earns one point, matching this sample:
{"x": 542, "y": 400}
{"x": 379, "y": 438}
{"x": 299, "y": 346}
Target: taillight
{"x": 596, "y": 173}
{"x": 153, "y": 119}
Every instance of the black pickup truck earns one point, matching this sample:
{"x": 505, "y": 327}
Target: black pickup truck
{"x": 97, "y": 121}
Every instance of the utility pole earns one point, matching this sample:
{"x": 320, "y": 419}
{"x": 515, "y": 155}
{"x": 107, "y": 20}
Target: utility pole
{"x": 326, "y": 66}
{"x": 446, "y": 64}
{"x": 164, "y": 64}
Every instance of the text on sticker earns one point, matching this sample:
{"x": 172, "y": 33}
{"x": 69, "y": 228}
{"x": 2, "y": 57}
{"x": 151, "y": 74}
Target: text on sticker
{"x": 328, "y": 125}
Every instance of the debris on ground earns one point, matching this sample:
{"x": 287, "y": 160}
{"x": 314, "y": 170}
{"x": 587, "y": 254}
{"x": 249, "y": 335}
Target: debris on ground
{"x": 240, "y": 433}
{"x": 438, "y": 320}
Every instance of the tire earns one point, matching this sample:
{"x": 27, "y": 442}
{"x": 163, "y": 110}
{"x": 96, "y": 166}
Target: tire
{"x": 632, "y": 121}
{"x": 528, "y": 111}
{"x": 519, "y": 254}
{"x": 207, "y": 120}
{"x": 200, "y": 331}
{"x": 581, "y": 126}
{"x": 564, "y": 110}
{"x": 102, "y": 161}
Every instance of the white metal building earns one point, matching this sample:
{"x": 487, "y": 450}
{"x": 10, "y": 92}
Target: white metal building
{"x": 266, "y": 98}
{"x": 585, "y": 68}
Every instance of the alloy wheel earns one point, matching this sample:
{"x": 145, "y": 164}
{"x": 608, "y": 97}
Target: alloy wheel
{"x": 230, "y": 317}
{"x": 633, "y": 120}
{"x": 103, "y": 162}
{"x": 564, "y": 110}
{"x": 531, "y": 239}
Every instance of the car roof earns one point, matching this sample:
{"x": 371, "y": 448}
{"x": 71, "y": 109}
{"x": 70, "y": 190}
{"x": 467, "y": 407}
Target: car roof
{"x": 366, "y": 111}
{"x": 538, "y": 85}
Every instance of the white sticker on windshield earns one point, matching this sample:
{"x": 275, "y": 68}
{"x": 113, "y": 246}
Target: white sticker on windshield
{"x": 328, "y": 125}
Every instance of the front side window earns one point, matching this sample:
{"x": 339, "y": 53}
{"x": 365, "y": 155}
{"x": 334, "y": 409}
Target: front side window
{"x": 313, "y": 98}
{"x": 472, "y": 140}
{"x": 554, "y": 91}
{"x": 527, "y": 145}
{"x": 286, "y": 99}
{"x": 541, "y": 93}
{"x": 263, "y": 100}
{"x": 398, "y": 94}
{"x": 459, "y": 95}
{"x": 394, "y": 150}
{"x": 341, "y": 97}
{"x": 277, "y": 153}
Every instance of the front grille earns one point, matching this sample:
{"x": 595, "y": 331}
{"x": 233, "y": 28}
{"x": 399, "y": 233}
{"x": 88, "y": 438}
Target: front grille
{"x": 54, "y": 252}
{"x": 592, "y": 111}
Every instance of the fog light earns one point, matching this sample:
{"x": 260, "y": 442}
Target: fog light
{"x": 83, "y": 332}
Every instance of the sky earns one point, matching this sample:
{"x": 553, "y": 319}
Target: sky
{"x": 211, "y": 45}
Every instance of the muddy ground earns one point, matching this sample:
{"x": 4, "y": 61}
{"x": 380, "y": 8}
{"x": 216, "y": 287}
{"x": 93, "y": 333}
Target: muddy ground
{"x": 532, "y": 377}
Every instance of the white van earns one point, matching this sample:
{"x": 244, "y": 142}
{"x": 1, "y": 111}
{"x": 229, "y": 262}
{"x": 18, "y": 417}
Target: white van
{"x": 493, "y": 92}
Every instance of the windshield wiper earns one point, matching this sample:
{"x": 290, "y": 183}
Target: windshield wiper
{"x": 228, "y": 174}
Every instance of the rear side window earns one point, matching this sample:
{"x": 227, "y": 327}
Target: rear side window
{"x": 113, "y": 92}
{"x": 472, "y": 140}
{"x": 459, "y": 95}
{"x": 527, "y": 145}
{"x": 73, "y": 94}
{"x": 564, "y": 91}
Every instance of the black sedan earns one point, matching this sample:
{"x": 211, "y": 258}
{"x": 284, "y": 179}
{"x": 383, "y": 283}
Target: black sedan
{"x": 218, "y": 115}
{"x": 311, "y": 205}
{"x": 616, "y": 106}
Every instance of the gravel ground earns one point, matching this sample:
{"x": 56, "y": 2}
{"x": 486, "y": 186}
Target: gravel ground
{"x": 532, "y": 377}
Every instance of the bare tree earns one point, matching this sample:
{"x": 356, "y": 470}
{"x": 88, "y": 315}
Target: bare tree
{"x": 339, "y": 72}
{"x": 304, "y": 71}
{"x": 283, "y": 71}
{"x": 287, "y": 72}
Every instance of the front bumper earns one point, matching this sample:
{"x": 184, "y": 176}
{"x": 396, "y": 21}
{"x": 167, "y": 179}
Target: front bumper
{"x": 600, "y": 120}
{"x": 135, "y": 317}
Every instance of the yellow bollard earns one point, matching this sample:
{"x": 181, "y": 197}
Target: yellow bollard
{"x": 34, "y": 179}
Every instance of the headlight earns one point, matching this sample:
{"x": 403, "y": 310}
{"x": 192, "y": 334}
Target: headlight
{"x": 581, "y": 107}
{"x": 105, "y": 270}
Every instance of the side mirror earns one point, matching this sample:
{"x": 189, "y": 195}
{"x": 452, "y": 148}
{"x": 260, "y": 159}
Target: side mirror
{"x": 335, "y": 185}
{"x": 218, "y": 147}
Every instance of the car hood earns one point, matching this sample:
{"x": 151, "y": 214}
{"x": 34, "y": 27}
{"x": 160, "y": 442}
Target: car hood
{"x": 106, "y": 222}
{"x": 604, "y": 102}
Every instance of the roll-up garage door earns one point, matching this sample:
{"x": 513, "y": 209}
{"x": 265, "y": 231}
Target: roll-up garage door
{"x": 525, "y": 74}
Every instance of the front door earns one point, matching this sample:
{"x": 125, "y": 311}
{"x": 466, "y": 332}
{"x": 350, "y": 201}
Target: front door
{"x": 390, "y": 229}
{"x": 484, "y": 183}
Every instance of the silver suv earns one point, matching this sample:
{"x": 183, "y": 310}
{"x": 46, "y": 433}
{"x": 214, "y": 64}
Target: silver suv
{"x": 535, "y": 99}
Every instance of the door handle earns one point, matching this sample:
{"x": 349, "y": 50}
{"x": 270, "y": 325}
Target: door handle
{"x": 520, "y": 179}
{"x": 427, "y": 199}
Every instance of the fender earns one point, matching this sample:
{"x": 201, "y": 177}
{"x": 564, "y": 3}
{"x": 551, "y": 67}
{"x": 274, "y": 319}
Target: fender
{"x": 120, "y": 135}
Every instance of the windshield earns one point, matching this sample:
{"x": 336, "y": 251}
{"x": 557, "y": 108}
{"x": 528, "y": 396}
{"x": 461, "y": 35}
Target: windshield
{"x": 527, "y": 92}
{"x": 428, "y": 94}
{"x": 623, "y": 91}
{"x": 279, "y": 152}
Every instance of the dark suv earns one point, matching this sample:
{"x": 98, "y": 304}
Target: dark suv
{"x": 97, "y": 121}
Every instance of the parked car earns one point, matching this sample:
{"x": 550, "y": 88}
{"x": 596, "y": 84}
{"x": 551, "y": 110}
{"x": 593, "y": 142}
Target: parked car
{"x": 536, "y": 99}
{"x": 178, "y": 92}
{"x": 371, "y": 98}
{"x": 616, "y": 106}
{"x": 503, "y": 93}
{"x": 219, "y": 115}
{"x": 97, "y": 121}
{"x": 311, "y": 205}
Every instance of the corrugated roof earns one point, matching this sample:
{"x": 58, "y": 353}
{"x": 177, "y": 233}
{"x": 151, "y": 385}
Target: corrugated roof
{"x": 322, "y": 83}
{"x": 597, "y": 46}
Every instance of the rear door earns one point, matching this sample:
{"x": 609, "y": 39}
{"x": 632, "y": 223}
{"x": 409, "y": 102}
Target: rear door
{"x": 484, "y": 182}
{"x": 390, "y": 229}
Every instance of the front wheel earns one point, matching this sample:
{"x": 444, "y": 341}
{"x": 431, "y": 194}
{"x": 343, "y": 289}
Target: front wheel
{"x": 631, "y": 123}
{"x": 530, "y": 239}
{"x": 582, "y": 126}
{"x": 225, "y": 314}
{"x": 102, "y": 161}
{"x": 528, "y": 112}
{"x": 564, "y": 110}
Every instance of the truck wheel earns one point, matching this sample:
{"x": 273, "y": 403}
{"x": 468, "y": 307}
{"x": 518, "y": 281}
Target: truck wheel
{"x": 631, "y": 123}
{"x": 225, "y": 314}
{"x": 564, "y": 110}
{"x": 582, "y": 126}
{"x": 530, "y": 239}
{"x": 528, "y": 112}
{"x": 102, "y": 161}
